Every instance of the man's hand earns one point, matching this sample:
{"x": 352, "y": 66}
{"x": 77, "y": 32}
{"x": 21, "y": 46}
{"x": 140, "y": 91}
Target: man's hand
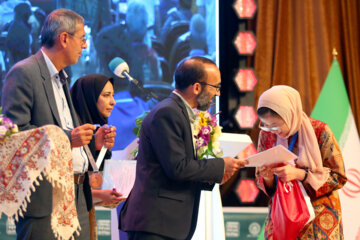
{"x": 225, "y": 178}
{"x": 82, "y": 135}
{"x": 105, "y": 136}
{"x": 231, "y": 166}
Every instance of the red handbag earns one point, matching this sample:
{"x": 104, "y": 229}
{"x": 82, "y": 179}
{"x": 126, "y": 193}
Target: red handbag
{"x": 290, "y": 212}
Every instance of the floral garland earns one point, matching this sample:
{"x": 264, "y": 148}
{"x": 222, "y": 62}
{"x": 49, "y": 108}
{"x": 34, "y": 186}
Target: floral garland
{"x": 207, "y": 133}
{"x": 7, "y": 127}
{"x": 136, "y": 131}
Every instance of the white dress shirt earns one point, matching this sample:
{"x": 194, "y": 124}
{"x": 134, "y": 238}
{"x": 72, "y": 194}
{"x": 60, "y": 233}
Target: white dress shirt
{"x": 80, "y": 160}
{"x": 192, "y": 118}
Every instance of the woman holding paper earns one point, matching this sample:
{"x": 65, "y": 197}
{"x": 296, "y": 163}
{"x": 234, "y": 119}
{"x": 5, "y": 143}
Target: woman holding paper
{"x": 319, "y": 166}
{"x": 93, "y": 100}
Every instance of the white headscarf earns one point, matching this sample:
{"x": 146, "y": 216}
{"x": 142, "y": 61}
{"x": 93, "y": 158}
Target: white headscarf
{"x": 286, "y": 102}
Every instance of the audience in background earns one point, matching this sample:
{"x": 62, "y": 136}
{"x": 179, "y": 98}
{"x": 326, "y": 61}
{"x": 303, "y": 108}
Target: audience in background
{"x": 18, "y": 37}
{"x": 129, "y": 42}
{"x": 36, "y": 20}
{"x": 180, "y": 13}
{"x": 130, "y": 38}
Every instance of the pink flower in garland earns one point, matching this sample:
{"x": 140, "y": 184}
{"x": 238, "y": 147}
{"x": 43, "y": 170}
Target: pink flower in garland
{"x": 212, "y": 119}
{"x": 200, "y": 142}
{"x": 7, "y": 127}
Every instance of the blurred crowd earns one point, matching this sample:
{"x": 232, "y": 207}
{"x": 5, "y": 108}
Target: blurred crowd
{"x": 152, "y": 36}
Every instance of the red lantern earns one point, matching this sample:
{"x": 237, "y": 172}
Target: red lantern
{"x": 246, "y": 117}
{"x": 247, "y": 191}
{"x": 245, "y": 8}
{"x": 246, "y": 79}
{"x": 245, "y": 43}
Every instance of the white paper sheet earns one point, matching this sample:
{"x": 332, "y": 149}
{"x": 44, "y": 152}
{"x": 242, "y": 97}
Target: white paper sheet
{"x": 119, "y": 174}
{"x": 232, "y": 143}
{"x": 278, "y": 154}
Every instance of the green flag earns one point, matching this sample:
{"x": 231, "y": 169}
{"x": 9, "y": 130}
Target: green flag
{"x": 261, "y": 235}
{"x": 333, "y": 108}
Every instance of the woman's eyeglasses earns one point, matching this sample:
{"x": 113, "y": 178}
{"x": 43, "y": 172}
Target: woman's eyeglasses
{"x": 269, "y": 129}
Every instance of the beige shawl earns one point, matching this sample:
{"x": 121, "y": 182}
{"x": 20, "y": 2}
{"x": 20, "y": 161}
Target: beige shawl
{"x": 286, "y": 101}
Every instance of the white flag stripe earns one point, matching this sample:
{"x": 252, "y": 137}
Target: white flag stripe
{"x": 350, "y": 193}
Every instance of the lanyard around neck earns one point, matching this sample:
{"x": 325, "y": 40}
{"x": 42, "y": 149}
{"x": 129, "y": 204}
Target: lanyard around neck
{"x": 292, "y": 142}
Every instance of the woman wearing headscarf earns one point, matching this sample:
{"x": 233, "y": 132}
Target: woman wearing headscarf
{"x": 319, "y": 166}
{"x": 93, "y": 100}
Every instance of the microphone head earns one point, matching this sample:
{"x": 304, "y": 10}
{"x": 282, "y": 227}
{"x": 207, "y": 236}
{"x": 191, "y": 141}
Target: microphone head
{"x": 118, "y": 66}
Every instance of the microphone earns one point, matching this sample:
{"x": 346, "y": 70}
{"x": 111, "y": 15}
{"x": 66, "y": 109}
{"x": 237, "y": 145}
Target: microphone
{"x": 121, "y": 69}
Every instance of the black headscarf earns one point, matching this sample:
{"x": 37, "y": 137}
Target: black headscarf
{"x": 85, "y": 93}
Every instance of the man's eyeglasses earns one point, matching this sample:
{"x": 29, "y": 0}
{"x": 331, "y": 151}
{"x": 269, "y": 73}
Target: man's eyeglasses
{"x": 83, "y": 39}
{"x": 214, "y": 86}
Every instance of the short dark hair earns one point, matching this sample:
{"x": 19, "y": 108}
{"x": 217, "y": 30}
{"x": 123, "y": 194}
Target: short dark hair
{"x": 58, "y": 21}
{"x": 189, "y": 71}
{"x": 265, "y": 110}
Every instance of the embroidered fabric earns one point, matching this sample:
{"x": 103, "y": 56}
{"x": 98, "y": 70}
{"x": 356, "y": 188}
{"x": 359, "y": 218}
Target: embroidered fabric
{"x": 25, "y": 158}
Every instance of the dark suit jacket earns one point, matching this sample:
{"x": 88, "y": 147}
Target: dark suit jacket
{"x": 169, "y": 179}
{"x": 28, "y": 100}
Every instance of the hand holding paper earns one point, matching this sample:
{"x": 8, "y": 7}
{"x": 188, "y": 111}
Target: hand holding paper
{"x": 288, "y": 173}
{"x": 108, "y": 196}
{"x": 231, "y": 166}
{"x": 267, "y": 174}
{"x": 121, "y": 175}
{"x": 270, "y": 157}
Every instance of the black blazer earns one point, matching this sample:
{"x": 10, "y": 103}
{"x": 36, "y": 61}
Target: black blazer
{"x": 28, "y": 100}
{"x": 169, "y": 178}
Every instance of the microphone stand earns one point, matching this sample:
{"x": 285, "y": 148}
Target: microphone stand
{"x": 149, "y": 94}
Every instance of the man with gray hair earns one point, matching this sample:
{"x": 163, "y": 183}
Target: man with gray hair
{"x": 36, "y": 93}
